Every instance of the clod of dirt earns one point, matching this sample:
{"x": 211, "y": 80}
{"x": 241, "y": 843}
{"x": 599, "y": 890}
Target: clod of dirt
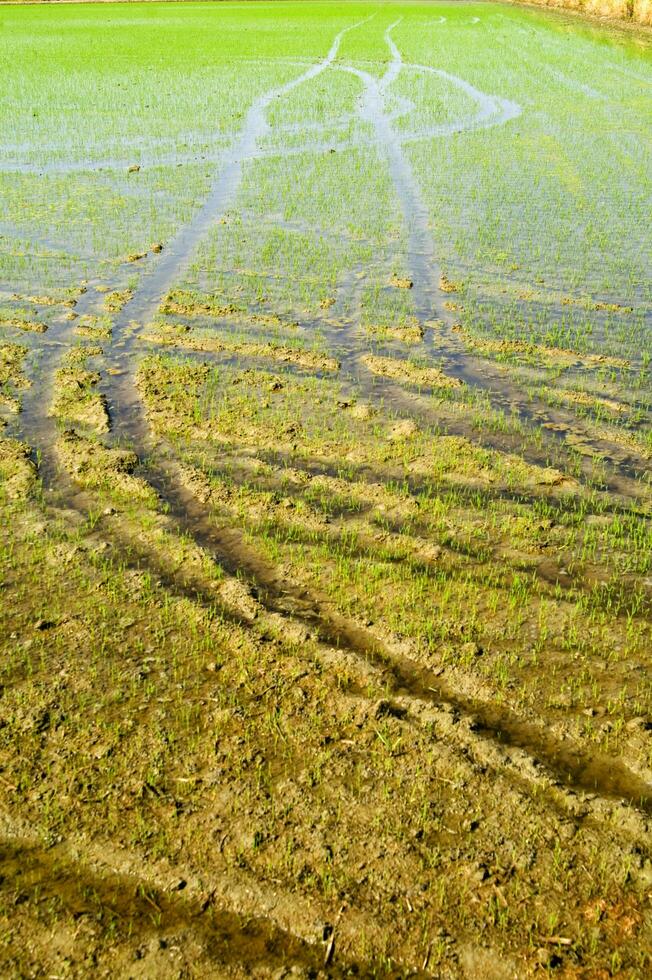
{"x": 136, "y": 256}
{"x": 17, "y": 471}
{"x": 116, "y": 300}
{"x": 407, "y": 333}
{"x": 547, "y": 959}
{"x": 157, "y": 247}
{"x": 398, "y": 370}
{"x": 361, "y": 411}
{"x": 43, "y": 624}
{"x": 383, "y": 708}
{"x": 238, "y": 596}
{"x": 447, "y": 285}
{"x": 133, "y": 169}
{"x": 399, "y": 283}
{"x": 326, "y": 303}
{"x": 29, "y": 326}
{"x": 95, "y": 466}
{"x": 183, "y": 303}
{"x": 403, "y": 430}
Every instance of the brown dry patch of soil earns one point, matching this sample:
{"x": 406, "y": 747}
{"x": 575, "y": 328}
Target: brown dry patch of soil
{"x": 408, "y": 333}
{"x": 586, "y": 400}
{"x": 584, "y": 438}
{"x": 400, "y": 282}
{"x": 17, "y": 471}
{"x": 116, "y": 300}
{"x": 171, "y": 398}
{"x": 11, "y": 376}
{"x": 589, "y": 304}
{"x": 459, "y": 460}
{"x": 402, "y": 430}
{"x": 427, "y": 377}
{"x": 555, "y": 355}
{"x": 180, "y": 337}
{"x": 540, "y": 293}
{"x": 29, "y": 326}
{"x": 447, "y": 285}
{"x": 93, "y": 327}
{"x": 75, "y": 399}
{"x": 59, "y": 297}
{"x": 181, "y": 303}
{"x": 613, "y": 307}
{"x": 95, "y": 466}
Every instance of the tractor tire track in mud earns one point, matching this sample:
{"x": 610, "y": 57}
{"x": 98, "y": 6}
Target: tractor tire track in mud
{"x": 572, "y": 768}
{"x": 571, "y": 765}
{"x": 280, "y": 596}
{"x": 230, "y": 921}
{"x": 421, "y": 257}
{"x": 177, "y": 255}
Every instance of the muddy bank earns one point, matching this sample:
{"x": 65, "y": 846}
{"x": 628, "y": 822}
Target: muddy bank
{"x": 637, "y": 11}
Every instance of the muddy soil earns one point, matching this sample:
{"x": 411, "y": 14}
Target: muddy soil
{"x": 325, "y": 635}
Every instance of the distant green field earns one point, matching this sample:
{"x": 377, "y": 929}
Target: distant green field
{"x": 325, "y": 491}
{"x": 560, "y": 191}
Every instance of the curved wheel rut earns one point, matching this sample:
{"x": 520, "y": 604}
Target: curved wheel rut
{"x": 81, "y": 880}
{"x": 329, "y": 592}
{"x": 573, "y": 767}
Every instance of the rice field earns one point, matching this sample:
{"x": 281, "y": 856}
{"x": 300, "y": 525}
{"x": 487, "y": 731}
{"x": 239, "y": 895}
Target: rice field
{"x": 325, "y": 491}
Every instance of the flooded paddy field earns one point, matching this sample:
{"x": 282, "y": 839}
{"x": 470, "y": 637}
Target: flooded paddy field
{"x": 325, "y": 473}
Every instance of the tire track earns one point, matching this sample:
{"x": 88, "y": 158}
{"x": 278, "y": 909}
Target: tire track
{"x": 191, "y": 516}
{"x": 176, "y": 257}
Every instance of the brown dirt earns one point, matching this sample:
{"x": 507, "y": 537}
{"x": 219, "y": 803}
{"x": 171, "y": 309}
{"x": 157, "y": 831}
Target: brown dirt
{"x": 556, "y": 355}
{"x": 427, "y": 377}
{"x": 408, "y": 333}
{"x": 180, "y": 337}
{"x": 11, "y": 358}
{"x": 446, "y": 285}
{"x": 115, "y": 300}
{"x": 224, "y": 798}
{"x": 180, "y": 303}
{"x": 95, "y": 466}
{"x": 93, "y": 327}
{"x": 17, "y": 470}
{"x": 400, "y": 282}
{"x": 29, "y": 326}
{"x": 75, "y": 399}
